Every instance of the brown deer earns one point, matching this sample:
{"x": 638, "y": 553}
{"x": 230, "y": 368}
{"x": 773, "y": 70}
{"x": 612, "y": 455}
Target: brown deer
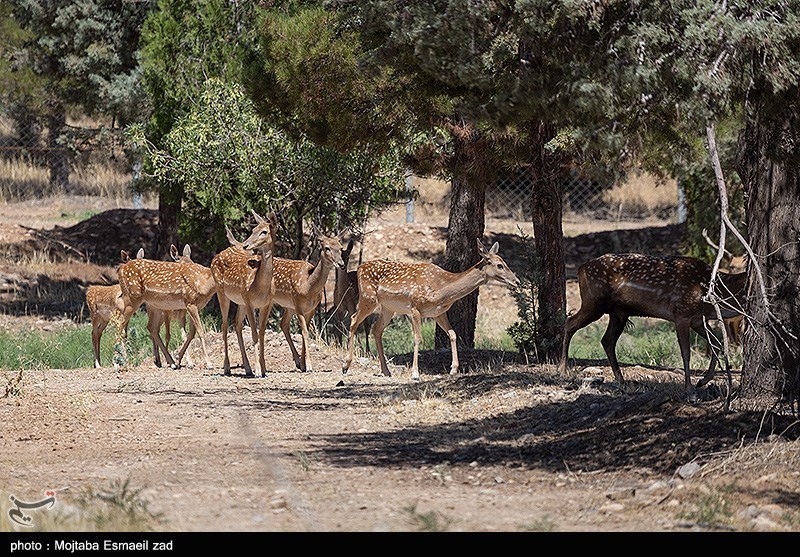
{"x": 251, "y": 319}
{"x": 157, "y": 318}
{"x": 420, "y": 290}
{"x": 167, "y": 286}
{"x": 244, "y": 276}
{"x": 102, "y": 301}
{"x": 298, "y": 290}
{"x": 345, "y": 298}
{"x": 666, "y": 287}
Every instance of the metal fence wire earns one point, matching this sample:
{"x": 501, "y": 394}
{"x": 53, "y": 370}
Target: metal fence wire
{"x": 85, "y": 158}
{"x": 640, "y": 197}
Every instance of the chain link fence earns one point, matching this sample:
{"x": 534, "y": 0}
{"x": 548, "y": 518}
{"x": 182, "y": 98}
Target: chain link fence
{"x": 41, "y": 156}
{"x": 640, "y": 197}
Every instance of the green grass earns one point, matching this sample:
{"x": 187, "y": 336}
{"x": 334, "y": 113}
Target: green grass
{"x": 71, "y": 348}
{"x": 648, "y": 342}
{"x": 399, "y": 339}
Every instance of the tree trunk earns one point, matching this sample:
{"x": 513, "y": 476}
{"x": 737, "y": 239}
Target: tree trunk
{"x": 465, "y": 227}
{"x": 169, "y": 206}
{"x": 768, "y": 162}
{"x": 547, "y": 192}
{"x": 57, "y": 153}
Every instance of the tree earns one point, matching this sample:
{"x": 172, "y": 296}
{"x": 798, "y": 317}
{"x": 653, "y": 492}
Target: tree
{"x": 183, "y": 44}
{"x": 85, "y": 56}
{"x": 539, "y": 78}
{"x": 708, "y": 62}
{"x": 229, "y": 161}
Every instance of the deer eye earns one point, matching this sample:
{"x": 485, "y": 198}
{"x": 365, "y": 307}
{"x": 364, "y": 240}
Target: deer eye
{"x": 500, "y": 266}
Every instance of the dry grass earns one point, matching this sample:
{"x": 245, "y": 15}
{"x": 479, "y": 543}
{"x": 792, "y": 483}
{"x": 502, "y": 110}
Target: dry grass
{"x": 22, "y": 179}
{"x": 643, "y": 194}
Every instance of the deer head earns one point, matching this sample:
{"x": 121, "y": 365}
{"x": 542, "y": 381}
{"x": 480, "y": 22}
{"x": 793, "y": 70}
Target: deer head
{"x": 494, "y": 267}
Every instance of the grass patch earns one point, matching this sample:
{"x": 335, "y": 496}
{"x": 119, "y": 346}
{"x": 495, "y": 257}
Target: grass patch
{"x": 432, "y": 521}
{"x": 648, "y": 342}
{"x": 71, "y": 347}
{"x": 710, "y": 510}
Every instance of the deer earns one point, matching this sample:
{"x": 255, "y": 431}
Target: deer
{"x": 665, "y": 287}
{"x": 243, "y": 275}
{"x": 167, "y": 286}
{"x": 420, "y": 290}
{"x": 103, "y": 302}
{"x": 345, "y": 298}
{"x": 156, "y": 317}
{"x": 298, "y": 290}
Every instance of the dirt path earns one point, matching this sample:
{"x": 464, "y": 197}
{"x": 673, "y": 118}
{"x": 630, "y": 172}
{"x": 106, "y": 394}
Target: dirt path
{"x": 506, "y": 449}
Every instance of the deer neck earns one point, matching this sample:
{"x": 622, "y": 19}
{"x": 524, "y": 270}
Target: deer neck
{"x": 263, "y": 278}
{"x": 463, "y": 284}
{"x": 319, "y": 276}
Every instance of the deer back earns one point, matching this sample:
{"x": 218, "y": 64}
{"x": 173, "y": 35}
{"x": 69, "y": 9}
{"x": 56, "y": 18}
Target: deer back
{"x": 667, "y": 287}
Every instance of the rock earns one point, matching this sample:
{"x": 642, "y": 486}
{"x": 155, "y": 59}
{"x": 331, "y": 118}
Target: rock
{"x": 688, "y": 470}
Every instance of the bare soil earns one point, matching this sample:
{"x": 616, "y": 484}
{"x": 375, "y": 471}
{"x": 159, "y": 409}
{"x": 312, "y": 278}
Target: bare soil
{"x": 503, "y": 446}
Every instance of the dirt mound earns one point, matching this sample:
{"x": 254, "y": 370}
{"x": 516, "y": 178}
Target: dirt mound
{"x": 97, "y": 239}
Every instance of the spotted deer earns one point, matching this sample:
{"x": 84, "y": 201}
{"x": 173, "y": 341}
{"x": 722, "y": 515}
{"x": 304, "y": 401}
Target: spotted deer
{"x": 243, "y": 275}
{"x": 298, "y": 290}
{"x": 167, "y": 286}
{"x": 345, "y": 298}
{"x": 157, "y": 318}
{"x": 666, "y": 287}
{"x": 420, "y": 290}
{"x": 103, "y": 301}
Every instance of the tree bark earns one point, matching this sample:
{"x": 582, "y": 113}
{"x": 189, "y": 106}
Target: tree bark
{"x": 58, "y": 157}
{"x": 547, "y": 173}
{"x": 465, "y": 227}
{"x": 768, "y": 161}
{"x": 169, "y": 207}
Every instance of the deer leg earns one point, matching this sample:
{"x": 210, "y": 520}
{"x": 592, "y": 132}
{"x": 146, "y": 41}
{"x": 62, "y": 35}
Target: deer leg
{"x": 682, "y": 330}
{"x": 184, "y": 336}
{"x": 251, "y": 318}
{"x": 154, "y": 326}
{"x": 709, "y": 374}
{"x": 185, "y": 344}
{"x": 263, "y": 315}
{"x": 154, "y": 320}
{"x": 364, "y": 308}
{"x": 127, "y": 313}
{"x": 98, "y": 326}
{"x": 616, "y": 324}
{"x": 194, "y": 314}
{"x": 224, "y": 308}
{"x": 304, "y": 359}
{"x": 286, "y": 319}
{"x": 444, "y": 323}
{"x": 241, "y": 310}
{"x": 584, "y": 317}
{"x": 380, "y": 324}
{"x": 416, "y": 328}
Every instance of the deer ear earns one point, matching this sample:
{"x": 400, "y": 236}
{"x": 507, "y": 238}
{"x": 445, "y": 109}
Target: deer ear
{"x": 123, "y": 256}
{"x": 494, "y": 249}
{"x": 481, "y": 249}
{"x": 173, "y": 251}
{"x": 139, "y": 254}
{"x": 259, "y": 218}
{"x": 187, "y": 251}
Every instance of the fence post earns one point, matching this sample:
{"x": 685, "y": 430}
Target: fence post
{"x": 137, "y": 196}
{"x": 410, "y": 202}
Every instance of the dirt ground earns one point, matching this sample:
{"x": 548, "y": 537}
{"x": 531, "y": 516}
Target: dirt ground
{"x": 501, "y": 447}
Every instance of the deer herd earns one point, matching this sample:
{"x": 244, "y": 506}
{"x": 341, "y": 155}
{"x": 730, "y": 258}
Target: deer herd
{"x": 249, "y": 275}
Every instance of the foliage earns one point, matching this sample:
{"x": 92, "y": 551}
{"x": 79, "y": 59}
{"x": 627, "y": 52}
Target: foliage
{"x": 526, "y": 332}
{"x": 229, "y": 161}
{"x": 85, "y": 51}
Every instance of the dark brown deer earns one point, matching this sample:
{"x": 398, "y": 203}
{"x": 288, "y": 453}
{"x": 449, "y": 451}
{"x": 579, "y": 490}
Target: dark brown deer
{"x": 666, "y": 287}
{"x": 345, "y": 299}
